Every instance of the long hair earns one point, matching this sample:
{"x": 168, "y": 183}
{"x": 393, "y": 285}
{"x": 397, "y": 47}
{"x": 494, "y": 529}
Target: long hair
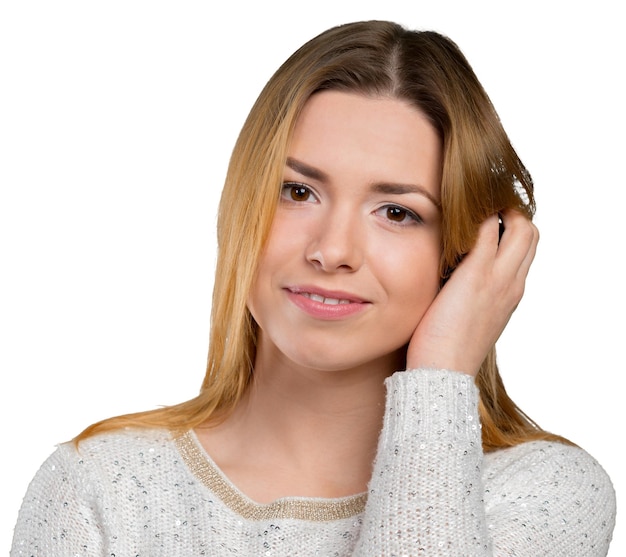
{"x": 482, "y": 175}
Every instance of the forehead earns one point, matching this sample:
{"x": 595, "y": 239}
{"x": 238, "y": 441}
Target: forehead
{"x": 376, "y": 138}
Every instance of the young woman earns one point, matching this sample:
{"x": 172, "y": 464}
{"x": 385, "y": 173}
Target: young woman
{"x": 374, "y": 239}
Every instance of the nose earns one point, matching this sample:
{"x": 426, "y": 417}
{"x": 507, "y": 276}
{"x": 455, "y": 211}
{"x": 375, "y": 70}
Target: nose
{"x": 336, "y": 243}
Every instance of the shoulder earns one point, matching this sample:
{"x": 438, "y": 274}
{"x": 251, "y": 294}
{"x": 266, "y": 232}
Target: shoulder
{"x": 107, "y": 463}
{"x": 125, "y": 442}
{"x": 80, "y": 476}
{"x": 546, "y": 460}
{"x": 103, "y": 454}
{"x": 563, "y": 484}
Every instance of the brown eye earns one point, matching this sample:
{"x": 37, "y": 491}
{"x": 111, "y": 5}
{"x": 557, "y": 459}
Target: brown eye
{"x": 299, "y": 193}
{"x": 396, "y": 214}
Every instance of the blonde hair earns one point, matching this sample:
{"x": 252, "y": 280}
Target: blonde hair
{"x": 482, "y": 175}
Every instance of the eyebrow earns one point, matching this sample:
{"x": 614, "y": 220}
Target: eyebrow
{"x": 306, "y": 170}
{"x": 399, "y": 189}
{"x": 382, "y": 187}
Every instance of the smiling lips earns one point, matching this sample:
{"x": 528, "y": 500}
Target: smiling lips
{"x": 326, "y": 305}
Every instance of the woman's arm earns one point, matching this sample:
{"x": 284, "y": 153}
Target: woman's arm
{"x": 426, "y": 495}
{"x": 434, "y": 493}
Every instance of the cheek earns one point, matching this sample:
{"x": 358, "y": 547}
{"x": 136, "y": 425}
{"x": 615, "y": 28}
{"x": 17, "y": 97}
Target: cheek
{"x": 413, "y": 275}
{"x": 279, "y": 250}
{"x": 285, "y": 239}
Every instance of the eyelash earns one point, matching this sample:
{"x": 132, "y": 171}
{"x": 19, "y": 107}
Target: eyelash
{"x": 289, "y": 187}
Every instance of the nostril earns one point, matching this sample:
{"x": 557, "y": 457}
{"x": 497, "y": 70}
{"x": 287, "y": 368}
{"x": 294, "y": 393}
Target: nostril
{"x": 334, "y": 244}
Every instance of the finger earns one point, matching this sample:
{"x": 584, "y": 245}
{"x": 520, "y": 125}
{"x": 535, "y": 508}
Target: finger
{"x": 532, "y": 250}
{"x": 486, "y": 245}
{"x": 519, "y": 241}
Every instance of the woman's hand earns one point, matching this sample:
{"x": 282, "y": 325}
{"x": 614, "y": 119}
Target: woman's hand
{"x": 471, "y": 310}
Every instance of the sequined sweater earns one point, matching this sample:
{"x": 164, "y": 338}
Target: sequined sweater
{"x": 433, "y": 492}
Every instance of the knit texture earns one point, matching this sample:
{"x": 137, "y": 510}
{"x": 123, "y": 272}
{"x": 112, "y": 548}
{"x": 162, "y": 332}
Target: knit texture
{"x": 433, "y": 493}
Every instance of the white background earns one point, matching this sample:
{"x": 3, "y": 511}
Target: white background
{"x": 116, "y": 124}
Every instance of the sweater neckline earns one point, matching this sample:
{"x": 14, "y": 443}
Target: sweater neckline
{"x": 300, "y": 508}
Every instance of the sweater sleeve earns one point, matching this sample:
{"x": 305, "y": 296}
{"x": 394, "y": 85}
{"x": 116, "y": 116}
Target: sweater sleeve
{"x": 59, "y": 513}
{"x": 427, "y": 495}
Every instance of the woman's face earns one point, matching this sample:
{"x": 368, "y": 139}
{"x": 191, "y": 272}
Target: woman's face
{"x": 351, "y": 264}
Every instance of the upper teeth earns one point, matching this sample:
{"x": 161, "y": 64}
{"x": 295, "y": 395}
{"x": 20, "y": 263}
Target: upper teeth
{"x": 330, "y": 301}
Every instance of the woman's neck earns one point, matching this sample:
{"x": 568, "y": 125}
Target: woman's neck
{"x": 300, "y": 432}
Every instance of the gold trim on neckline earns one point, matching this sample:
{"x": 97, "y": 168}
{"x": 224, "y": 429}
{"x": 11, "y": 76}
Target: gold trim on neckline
{"x": 299, "y": 508}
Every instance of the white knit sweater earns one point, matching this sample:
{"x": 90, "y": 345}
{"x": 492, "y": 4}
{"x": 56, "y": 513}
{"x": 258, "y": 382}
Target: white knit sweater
{"x": 433, "y": 493}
